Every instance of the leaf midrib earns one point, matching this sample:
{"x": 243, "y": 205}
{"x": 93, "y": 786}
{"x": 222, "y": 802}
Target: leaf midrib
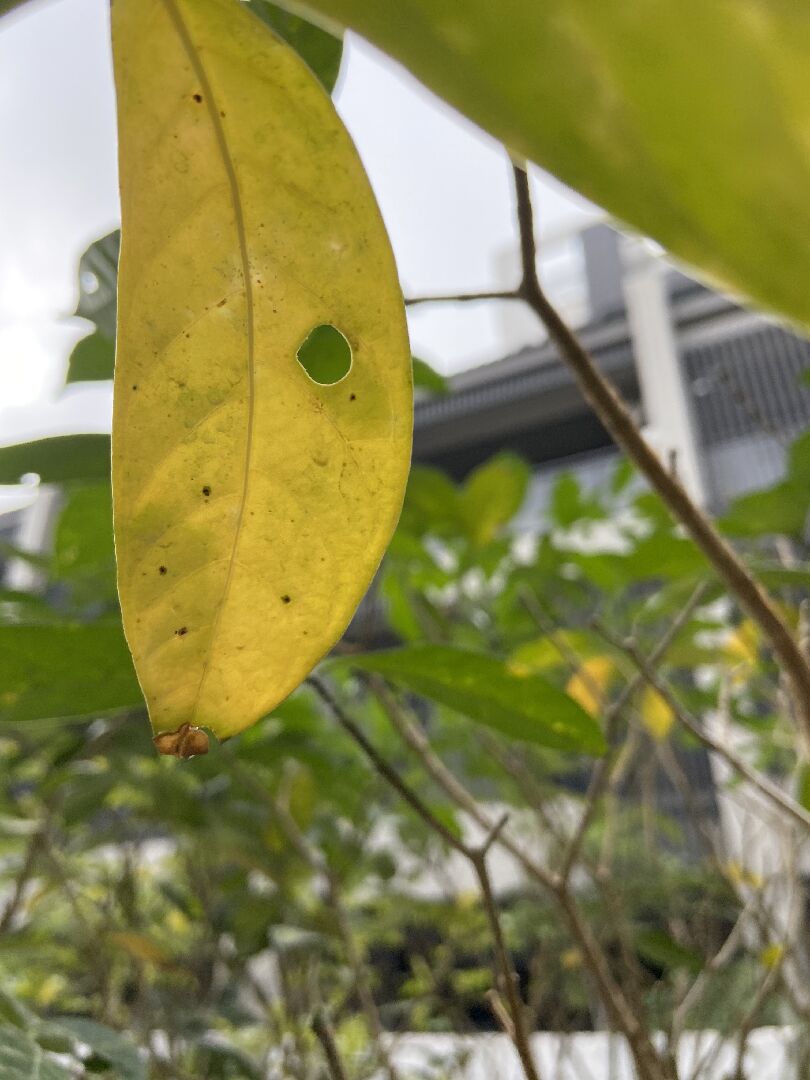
{"x": 206, "y": 89}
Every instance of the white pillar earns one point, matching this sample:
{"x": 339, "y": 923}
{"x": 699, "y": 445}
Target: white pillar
{"x": 669, "y": 423}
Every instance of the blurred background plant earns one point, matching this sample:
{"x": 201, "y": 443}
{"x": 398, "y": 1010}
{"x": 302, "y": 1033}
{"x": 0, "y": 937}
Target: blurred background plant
{"x": 208, "y": 909}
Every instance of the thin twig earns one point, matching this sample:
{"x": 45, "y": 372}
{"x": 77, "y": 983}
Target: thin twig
{"x": 604, "y": 768}
{"x": 617, "y": 419}
{"x": 325, "y": 1036}
{"x": 758, "y": 780}
{"x": 319, "y": 865}
{"x": 476, "y": 856}
{"x": 464, "y": 298}
{"x": 649, "y": 1065}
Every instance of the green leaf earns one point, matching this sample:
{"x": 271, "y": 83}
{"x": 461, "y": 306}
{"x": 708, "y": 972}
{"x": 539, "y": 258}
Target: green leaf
{"x": 111, "y": 1046}
{"x": 83, "y": 551}
{"x": 431, "y": 503}
{"x": 93, "y": 358}
{"x": 252, "y": 504}
{"x": 777, "y": 511}
{"x": 13, "y": 1012}
{"x": 428, "y": 379}
{"x": 58, "y": 459}
{"x": 493, "y": 494}
{"x": 525, "y": 707}
{"x": 98, "y": 274}
{"x": 803, "y": 785}
{"x": 9, "y": 5}
{"x": 320, "y": 50}
{"x": 64, "y": 671}
{"x": 21, "y": 1058}
{"x": 686, "y": 120}
{"x": 661, "y": 949}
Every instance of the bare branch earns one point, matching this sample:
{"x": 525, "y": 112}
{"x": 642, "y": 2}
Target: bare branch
{"x": 602, "y": 773}
{"x": 761, "y": 782}
{"x": 616, "y": 417}
{"x": 325, "y": 1036}
{"x": 476, "y": 857}
{"x": 463, "y": 298}
{"x": 649, "y": 1065}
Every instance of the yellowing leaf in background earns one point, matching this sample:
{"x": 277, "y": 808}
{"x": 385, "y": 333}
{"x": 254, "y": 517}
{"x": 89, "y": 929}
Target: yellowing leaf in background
{"x": 252, "y": 504}
{"x": 742, "y": 648}
{"x": 589, "y": 685}
{"x": 656, "y": 715}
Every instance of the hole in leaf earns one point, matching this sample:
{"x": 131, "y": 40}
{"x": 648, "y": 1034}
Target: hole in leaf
{"x": 326, "y": 355}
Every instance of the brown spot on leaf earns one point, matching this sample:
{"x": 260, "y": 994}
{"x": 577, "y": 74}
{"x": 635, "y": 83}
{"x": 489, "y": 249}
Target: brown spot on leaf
{"x": 186, "y": 742}
{"x": 206, "y": 491}
{"x": 286, "y": 599}
{"x": 181, "y": 631}
{"x": 197, "y": 98}
{"x": 162, "y": 570}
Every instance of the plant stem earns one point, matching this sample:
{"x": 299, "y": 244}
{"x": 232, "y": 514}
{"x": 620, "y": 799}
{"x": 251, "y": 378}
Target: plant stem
{"x": 616, "y": 417}
{"x": 649, "y": 1065}
{"x": 325, "y": 1036}
{"x": 506, "y": 975}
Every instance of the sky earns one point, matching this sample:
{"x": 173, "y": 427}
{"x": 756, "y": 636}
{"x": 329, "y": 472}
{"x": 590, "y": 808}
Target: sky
{"x": 443, "y": 186}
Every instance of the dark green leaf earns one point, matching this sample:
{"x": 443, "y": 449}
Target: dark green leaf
{"x": 93, "y": 358}
{"x": 803, "y": 786}
{"x": 428, "y": 379}
{"x": 98, "y": 283}
{"x": 58, "y": 459}
{"x": 84, "y": 552}
{"x": 318, "y": 49}
{"x": 659, "y": 947}
{"x": 13, "y": 1012}
{"x": 64, "y": 671}
{"x": 523, "y": 707}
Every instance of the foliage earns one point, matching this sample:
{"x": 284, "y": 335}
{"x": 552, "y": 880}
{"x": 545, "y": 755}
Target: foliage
{"x": 209, "y": 909}
{"x": 157, "y": 897}
{"x": 630, "y": 104}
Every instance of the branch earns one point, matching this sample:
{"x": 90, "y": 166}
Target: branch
{"x": 602, "y": 773}
{"x": 507, "y": 977}
{"x": 648, "y": 1064}
{"x": 758, "y": 780}
{"x": 463, "y": 298}
{"x": 319, "y": 865}
{"x": 325, "y": 1036}
{"x": 616, "y": 418}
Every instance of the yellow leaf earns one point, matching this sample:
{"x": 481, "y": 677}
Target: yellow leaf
{"x": 588, "y": 685}
{"x": 252, "y": 504}
{"x": 571, "y": 959}
{"x": 771, "y": 956}
{"x": 50, "y": 989}
{"x": 742, "y": 646}
{"x": 656, "y": 715}
{"x": 139, "y": 946}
